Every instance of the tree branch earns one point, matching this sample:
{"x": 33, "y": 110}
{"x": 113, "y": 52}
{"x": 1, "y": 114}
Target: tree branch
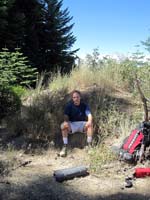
{"x": 143, "y": 99}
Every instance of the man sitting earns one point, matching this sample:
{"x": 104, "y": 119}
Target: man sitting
{"x": 77, "y": 118}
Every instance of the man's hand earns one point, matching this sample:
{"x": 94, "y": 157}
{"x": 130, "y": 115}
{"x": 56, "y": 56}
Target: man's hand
{"x": 66, "y": 124}
{"x": 88, "y": 124}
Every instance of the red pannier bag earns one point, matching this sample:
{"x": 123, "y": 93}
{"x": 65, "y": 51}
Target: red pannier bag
{"x": 130, "y": 150}
{"x": 141, "y": 172}
{"x": 133, "y": 141}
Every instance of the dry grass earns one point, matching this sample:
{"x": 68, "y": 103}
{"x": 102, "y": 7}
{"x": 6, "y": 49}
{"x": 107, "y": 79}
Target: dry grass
{"x": 82, "y": 78}
{"x": 8, "y": 160}
{"x": 100, "y": 156}
{"x": 42, "y": 111}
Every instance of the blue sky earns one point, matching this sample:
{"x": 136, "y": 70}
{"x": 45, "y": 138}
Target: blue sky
{"x": 114, "y": 26}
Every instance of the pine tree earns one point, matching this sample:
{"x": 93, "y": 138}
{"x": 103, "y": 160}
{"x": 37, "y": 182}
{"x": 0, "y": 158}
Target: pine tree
{"x": 15, "y": 70}
{"x": 146, "y": 44}
{"x": 12, "y": 25}
{"x": 41, "y": 29}
{"x": 3, "y": 22}
{"x": 58, "y": 36}
{"x": 7, "y": 76}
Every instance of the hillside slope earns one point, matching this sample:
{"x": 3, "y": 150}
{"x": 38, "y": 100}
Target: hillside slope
{"x": 27, "y": 172}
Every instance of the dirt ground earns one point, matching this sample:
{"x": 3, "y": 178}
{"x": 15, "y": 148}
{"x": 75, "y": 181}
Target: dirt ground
{"x": 36, "y": 181}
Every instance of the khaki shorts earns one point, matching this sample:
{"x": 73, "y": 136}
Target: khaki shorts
{"x": 77, "y": 126}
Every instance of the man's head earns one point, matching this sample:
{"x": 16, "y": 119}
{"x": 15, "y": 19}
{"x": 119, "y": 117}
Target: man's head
{"x": 76, "y": 97}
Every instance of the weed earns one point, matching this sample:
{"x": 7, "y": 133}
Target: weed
{"x": 100, "y": 156}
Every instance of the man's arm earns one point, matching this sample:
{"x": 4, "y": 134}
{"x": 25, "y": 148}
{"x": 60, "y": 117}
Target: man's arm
{"x": 66, "y": 118}
{"x": 89, "y": 115}
{"x": 90, "y": 118}
{"x": 89, "y": 123}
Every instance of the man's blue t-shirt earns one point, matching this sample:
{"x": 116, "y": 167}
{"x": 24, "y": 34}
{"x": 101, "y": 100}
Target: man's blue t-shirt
{"x": 77, "y": 113}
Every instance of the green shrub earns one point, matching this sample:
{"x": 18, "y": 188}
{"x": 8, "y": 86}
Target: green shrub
{"x": 19, "y": 90}
{"x": 9, "y": 102}
{"x": 15, "y": 69}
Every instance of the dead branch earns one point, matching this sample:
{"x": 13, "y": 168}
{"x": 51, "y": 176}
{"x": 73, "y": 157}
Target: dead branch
{"x": 23, "y": 164}
{"x": 143, "y": 99}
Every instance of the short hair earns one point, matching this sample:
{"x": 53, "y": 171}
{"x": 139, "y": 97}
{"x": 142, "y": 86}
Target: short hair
{"x": 75, "y": 91}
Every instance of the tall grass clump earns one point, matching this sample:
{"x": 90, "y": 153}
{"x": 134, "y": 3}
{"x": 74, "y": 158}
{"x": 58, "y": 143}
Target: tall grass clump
{"x": 41, "y": 118}
{"x": 113, "y": 130}
{"x": 9, "y": 102}
{"x": 81, "y": 78}
{"x": 100, "y": 156}
{"x": 59, "y": 82}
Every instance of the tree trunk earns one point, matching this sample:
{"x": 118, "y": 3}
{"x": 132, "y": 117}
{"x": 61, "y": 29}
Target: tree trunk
{"x": 143, "y": 99}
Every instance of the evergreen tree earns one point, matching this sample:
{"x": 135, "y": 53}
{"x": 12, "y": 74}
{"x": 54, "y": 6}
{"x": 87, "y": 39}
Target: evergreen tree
{"x": 41, "y": 29}
{"x": 12, "y": 28}
{"x": 3, "y": 22}
{"x": 146, "y": 44}
{"x": 58, "y": 38}
{"x": 15, "y": 70}
{"x": 7, "y": 76}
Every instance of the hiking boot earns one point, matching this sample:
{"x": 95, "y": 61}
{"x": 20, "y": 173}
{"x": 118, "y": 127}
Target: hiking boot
{"x": 63, "y": 152}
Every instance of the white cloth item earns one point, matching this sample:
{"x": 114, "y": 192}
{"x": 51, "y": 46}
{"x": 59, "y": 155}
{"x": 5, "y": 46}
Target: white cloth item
{"x": 65, "y": 140}
{"x": 77, "y": 126}
{"x": 89, "y": 139}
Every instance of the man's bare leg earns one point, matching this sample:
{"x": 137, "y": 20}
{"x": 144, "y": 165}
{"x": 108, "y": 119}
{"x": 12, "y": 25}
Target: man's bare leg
{"x": 65, "y": 129}
{"x": 89, "y": 132}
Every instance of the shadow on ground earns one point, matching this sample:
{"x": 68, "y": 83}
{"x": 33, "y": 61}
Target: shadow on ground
{"x": 46, "y": 188}
{"x": 30, "y": 145}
